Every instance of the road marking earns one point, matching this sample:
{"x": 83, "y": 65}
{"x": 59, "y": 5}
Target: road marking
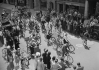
{"x": 79, "y": 45}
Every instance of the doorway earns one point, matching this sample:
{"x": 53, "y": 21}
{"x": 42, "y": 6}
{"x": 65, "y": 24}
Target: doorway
{"x": 51, "y": 5}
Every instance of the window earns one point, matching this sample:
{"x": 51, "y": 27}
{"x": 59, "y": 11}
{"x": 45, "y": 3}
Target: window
{"x": 21, "y": 2}
{"x": 33, "y": 4}
{"x": 43, "y": 3}
{"x": 51, "y": 5}
{"x": 11, "y": 2}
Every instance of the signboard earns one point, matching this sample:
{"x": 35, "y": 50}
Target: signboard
{"x": 21, "y": 2}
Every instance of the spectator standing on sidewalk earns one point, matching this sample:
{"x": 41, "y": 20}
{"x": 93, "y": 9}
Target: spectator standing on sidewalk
{"x": 40, "y": 64}
{"x": 74, "y": 67}
{"x": 56, "y": 65}
{"x": 80, "y": 67}
{"x": 45, "y": 56}
{"x": 53, "y": 60}
{"x": 49, "y": 60}
{"x": 62, "y": 64}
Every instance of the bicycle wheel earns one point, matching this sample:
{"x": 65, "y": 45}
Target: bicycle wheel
{"x": 71, "y": 48}
{"x": 4, "y": 53}
{"x": 69, "y": 59}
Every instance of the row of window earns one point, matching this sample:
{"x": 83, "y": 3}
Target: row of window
{"x": 9, "y": 1}
{"x": 14, "y": 2}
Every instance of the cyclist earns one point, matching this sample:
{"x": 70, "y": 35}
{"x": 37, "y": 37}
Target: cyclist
{"x": 85, "y": 40}
{"x": 65, "y": 48}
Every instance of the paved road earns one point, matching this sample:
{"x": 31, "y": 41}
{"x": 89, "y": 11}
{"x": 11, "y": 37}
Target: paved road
{"x": 88, "y": 58}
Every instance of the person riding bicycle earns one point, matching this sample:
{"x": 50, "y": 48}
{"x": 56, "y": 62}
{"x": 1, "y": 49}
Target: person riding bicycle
{"x": 85, "y": 40}
{"x": 65, "y": 48}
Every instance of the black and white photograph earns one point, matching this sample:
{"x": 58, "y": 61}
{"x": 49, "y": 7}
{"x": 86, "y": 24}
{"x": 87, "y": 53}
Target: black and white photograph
{"x": 49, "y": 34}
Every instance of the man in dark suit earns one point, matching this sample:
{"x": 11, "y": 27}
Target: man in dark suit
{"x": 45, "y": 56}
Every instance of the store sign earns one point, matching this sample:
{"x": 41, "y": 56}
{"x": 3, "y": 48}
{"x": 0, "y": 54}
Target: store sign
{"x": 21, "y": 2}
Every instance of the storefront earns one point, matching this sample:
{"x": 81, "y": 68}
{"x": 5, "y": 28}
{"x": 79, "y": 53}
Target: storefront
{"x": 65, "y": 5}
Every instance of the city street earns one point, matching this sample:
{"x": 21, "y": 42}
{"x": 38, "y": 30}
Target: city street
{"x": 88, "y": 58}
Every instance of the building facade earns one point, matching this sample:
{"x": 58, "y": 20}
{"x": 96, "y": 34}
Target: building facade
{"x": 34, "y": 4}
{"x": 86, "y": 7}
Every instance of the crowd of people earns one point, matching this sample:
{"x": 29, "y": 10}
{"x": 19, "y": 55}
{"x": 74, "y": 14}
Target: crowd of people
{"x": 49, "y": 23}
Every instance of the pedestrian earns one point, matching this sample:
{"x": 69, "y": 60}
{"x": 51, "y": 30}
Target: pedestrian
{"x": 80, "y": 67}
{"x": 45, "y": 56}
{"x": 17, "y": 57}
{"x": 23, "y": 63}
{"x": 74, "y": 67}
{"x": 11, "y": 43}
{"x": 56, "y": 65}
{"x": 62, "y": 64}
{"x": 11, "y": 65}
{"x": 49, "y": 60}
{"x": 53, "y": 60}
{"x": 16, "y": 43}
{"x": 32, "y": 50}
{"x": 40, "y": 64}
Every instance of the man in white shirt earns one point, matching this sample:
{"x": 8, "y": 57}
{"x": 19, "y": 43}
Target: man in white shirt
{"x": 80, "y": 67}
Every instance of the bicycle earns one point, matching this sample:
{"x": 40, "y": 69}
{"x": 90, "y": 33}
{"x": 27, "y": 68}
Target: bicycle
{"x": 6, "y": 56}
{"x": 71, "y": 48}
{"x": 68, "y": 58}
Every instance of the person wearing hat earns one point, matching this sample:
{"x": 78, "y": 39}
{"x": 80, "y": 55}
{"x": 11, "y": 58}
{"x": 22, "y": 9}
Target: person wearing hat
{"x": 44, "y": 55}
{"x": 9, "y": 53}
{"x": 65, "y": 48}
{"x": 56, "y": 65}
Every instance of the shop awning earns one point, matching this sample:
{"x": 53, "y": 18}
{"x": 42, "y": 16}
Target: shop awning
{"x": 71, "y": 3}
